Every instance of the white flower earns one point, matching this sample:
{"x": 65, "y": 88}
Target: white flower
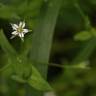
{"x": 19, "y": 30}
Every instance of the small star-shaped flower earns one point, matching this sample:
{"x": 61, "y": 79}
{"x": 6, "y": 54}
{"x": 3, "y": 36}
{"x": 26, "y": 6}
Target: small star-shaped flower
{"x": 19, "y": 30}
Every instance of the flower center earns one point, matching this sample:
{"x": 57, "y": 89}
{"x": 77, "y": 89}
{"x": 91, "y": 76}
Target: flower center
{"x": 19, "y": 29}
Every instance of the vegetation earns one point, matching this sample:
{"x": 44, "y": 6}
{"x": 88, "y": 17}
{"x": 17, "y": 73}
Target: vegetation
{"x": 56, "y": 55}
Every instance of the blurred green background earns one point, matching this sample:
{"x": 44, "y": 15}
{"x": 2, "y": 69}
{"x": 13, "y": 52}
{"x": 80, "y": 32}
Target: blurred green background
{"x": 71, "y": 69}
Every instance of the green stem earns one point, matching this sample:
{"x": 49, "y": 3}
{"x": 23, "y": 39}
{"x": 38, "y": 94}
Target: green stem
{"x": 85, "y": 18}
{"x": 42, "y": 38}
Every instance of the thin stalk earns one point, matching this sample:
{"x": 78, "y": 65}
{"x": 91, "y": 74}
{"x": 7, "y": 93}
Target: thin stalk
{"x": 42, "y": 38}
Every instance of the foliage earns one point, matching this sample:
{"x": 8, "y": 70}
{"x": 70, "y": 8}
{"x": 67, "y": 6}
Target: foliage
{"x": 25, "y": 64}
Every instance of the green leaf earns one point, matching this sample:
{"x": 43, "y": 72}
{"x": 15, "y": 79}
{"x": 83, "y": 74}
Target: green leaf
{"x": 37, "y": 82}
{"x": 85, "y": 51}
{"x": 6, "y": 71}
{"x": 19, "y": 79}
{"x": 7, "y": 11}
{"x": 93, "y": 32}
{"x": 6, "y": 46}
{"x": 84, "y": 35}
{"x": 82, "y": 65}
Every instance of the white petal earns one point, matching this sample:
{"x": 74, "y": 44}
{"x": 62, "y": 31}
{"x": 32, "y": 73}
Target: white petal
{"x": 14, "y": 26}
{"x": 22, "y": 24}
{"x": 21, "y": 35}
{"x": 14, "y": 33}
{"x": 22, "y": 39}
{"x": 25, "y": 30}
{"x": 13, "y": 36}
